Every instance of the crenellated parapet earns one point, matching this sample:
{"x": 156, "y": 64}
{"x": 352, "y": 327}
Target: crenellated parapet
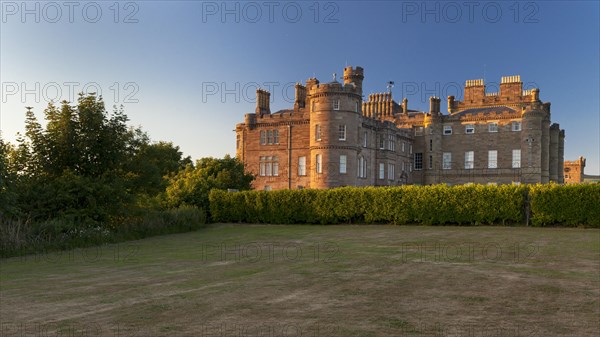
{"x": 511, "y": 94}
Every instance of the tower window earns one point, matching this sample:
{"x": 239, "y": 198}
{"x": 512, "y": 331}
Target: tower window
{"x": 317, "y": 132}
{"x": 343, "y": 159}
{"x": 318, "y": 164}
{"x": 342, "y": 132}
{"x": 336, "y": 104}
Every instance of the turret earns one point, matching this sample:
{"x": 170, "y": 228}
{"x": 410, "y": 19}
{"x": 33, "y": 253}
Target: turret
{"x": 434, "y": 105}
{"x": 356, "y": 76}
{"x": 300, "y": 101}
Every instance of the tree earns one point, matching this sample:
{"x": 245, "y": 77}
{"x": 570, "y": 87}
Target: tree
{"x": 192, "y": 185}
{"x": 8, "y": 198}
{"x": 152, "y": 165}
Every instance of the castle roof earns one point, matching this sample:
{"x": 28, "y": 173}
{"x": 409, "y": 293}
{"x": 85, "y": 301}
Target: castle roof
{"x": 496, "y": 110}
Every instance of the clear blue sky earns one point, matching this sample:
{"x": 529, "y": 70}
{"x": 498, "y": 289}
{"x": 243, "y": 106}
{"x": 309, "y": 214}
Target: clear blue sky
{"x": 172, "y": 61}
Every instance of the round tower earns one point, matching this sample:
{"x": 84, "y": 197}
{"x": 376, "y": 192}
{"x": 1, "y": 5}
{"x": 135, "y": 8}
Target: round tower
{"x": 334, "y": 132}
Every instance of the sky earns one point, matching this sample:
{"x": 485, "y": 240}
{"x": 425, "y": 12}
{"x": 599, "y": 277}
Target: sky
{"x": 187, "y": 71}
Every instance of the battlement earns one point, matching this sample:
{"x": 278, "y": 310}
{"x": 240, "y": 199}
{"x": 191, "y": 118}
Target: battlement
{"x": 511, "y": 93}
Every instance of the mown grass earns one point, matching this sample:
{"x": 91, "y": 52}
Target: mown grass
{"x": 315, "y": 280}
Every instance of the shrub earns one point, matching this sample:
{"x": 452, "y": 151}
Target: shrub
{"x": 569, "y": 205}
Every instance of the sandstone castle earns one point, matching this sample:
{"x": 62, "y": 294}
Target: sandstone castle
{"x": 332, "y": 137}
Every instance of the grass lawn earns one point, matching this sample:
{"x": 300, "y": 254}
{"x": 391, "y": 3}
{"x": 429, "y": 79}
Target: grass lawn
{"x": 259, "y": 280}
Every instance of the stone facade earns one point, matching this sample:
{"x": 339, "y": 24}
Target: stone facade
{"x": 333, "y": 138}
{"x": 574, "y": 171}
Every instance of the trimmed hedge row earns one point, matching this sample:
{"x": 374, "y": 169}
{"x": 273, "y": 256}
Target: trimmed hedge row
{"x": 439, "y": 204}
{"x": 568, "y": 205}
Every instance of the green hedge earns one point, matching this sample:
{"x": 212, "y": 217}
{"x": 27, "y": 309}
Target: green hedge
{"x": 568, "y": 205}
{"x": 439, "y": 204}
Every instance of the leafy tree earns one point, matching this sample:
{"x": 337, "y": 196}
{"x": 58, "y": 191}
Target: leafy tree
{"x": 7, "y": 180}
{"x": 192, "y": 185}
{"x": 152, "y": 165}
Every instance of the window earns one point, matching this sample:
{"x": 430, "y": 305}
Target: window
{"x": 263, "y": 167}
{"x": 410, "y": 149}
{"x": 403, "y": 149}
{"x": 430, "y": 145}
{"x": 342, "y": 132}
{"x": 362, "y": 167}
{"x": 343, "y": 159}
{"x": 391, "y": 171}
{"x": 392, "y": 142}
{"x": 516, "y": 126}
{"x": 430, "y": 162}
{"x": 318, "y": 164}
{"x": 381, "y": 171}
{"x": 275, "y": 167}
{"x": 268, "y": 166}
{"x": 269, "y": 137}
{"x": 469, "y": 158}
{"x": 237, "y": 141}
{"x": 382, "y": 142}
{"x": 516, "y": 158}
{"x": 336, "y": 104}
{"x": 301, "y": 166}
{"x": 313, "y": 106}
{"x": 317, "y": 132}
{"x": 447, "y": 130}
{"x": 493, "y": 159}
{"x": 357, "y": 108}
{"x": 365, "y": 139}
{"x": 418, "y": 161}
{"x": 470, "y": 128}
{"x": 493, "y": 127}
{"x": 418, "y": 131}
{"x": 263, "y": 138}
{"x": 447, "y": 160}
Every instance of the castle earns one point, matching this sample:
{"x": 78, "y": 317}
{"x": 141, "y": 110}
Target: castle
{"x": 332, "y": 138}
